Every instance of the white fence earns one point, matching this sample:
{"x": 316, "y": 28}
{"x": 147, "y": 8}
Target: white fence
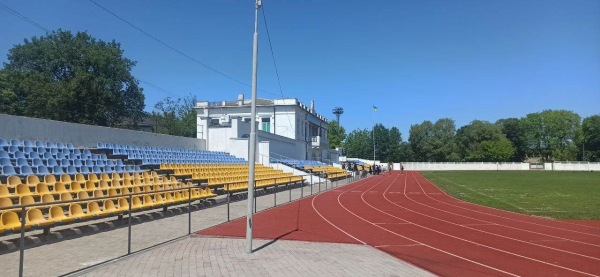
{"x": 432, "y": 166}
{"x": 461, "y": 166}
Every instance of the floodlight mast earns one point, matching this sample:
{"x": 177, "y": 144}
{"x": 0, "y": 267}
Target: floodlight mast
{"x": 252, "y": 140}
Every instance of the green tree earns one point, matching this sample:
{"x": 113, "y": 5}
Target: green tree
{"x": 8, "y": 98}
{"x": 499, "y": 150}
{"x": 470, "y": 139}
{"x": 420, "y": 137}
{"x": 551, "y": 134}
{"x": 591, "y": 138}
{"x": 74, "y": 78}
{"x": 434, "y": 142}
{"x": 359, "y": 144}
{"x": 336, "y": 134}
{"x": 176, "y": 117}
{"x": 512, "y": 129}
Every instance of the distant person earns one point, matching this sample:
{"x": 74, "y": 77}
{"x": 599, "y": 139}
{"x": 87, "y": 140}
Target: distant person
{"x": 402, "y": 169}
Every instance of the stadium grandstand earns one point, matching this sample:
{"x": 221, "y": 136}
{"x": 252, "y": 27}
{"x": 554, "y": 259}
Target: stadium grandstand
{"x": 66, "y": 184}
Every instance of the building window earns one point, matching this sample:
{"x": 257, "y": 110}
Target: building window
{"x": 265, "y": 124}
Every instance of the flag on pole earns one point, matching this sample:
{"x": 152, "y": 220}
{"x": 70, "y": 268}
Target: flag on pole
{"x": 374, "y": 108}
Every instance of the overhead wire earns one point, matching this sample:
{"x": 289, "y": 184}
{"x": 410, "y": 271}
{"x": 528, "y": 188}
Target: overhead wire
{"x": 32, "y": 22}
{"x": 23, "y": 17}
{"x": 173, "y": 48}
{"x": 274, "y": 62}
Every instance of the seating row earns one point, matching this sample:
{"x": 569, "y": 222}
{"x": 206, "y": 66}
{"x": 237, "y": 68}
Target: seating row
{"x": 27, "y": 143}
{"x": 80, "y": 211}
{"x": 25, "y": 170}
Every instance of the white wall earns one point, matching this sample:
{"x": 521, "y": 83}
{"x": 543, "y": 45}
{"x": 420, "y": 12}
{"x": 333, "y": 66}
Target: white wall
{"x": 462, "y": 166}
{"x": 81, "y": 135}
{"x": 575, "y": 166}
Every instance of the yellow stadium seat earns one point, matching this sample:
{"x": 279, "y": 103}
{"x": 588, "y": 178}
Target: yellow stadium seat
{"x": 57, "y": 214}
{"x": 83, "y": 195}
{"x": 149, "y": 201}
{"x": 13, "y": 181}
{"x": 93, "y": 209}
{"x": 76, "y": 211}
{"x": 65, "y": 196}
{"x": 33, "y": 180}
{"x": 35, "y": 218}
{"x": 47, "y": 198}
{"x": 6, "y": 203}
{"x": 65, "y": 178}
{"x": 49, "y": 179}
{"x": 59, "y": 188}
{"x": 9, "y": 221}
{"x": 109, "y": 208}
{"x": 42, "y": 188}
{"x": 90, "y": 186}
{"x": 98, "y": 193}
{"x": 76, "y": 187}
{"x": 136, "y": 203}
{"x": 5, "y": 193}
{"x": 93, "y": 177}
{"x": 26, "y": 200}
{"x": 80, "y": 178}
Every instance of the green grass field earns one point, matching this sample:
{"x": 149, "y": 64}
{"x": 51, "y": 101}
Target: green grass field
{"x": 561, "y": 195}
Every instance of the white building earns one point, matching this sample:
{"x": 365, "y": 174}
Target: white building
{"x": 286, "y": 129}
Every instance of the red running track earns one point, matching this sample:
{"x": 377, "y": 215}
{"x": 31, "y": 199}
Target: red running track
{"x": 410, "y": 218}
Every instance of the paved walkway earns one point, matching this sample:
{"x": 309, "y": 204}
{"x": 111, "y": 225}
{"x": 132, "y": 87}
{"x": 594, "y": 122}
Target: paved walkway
{"x": 205, "y": 256}
{"x": 106, "y": 240}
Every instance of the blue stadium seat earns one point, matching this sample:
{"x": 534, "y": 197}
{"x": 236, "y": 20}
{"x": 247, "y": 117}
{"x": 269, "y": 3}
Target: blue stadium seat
{"x": 15, "y": 142}
{"x": 8, "y": 170}
{"x": 28, "y": 143}
{"x": 70, "y": 146}
{"x": 96, "y": 169}
{"x": 84, "y": 170}
{"x": 5, "y": 161}
{"x": 4, "y": 154}
{"x": 39, "y": 143}
{"x": 26, "y": 170}
{"x": 101, "y": 145}
{"x": 50, "y": 144}
{"x": 4, "y": 143}
{"x": 60, "y": 145}
{"x": 21, "y": 162}
{"x": 71, "y": 170}
{"x": 77, "y": 163}
{"x": 42, "y": 170}
{"x": 57, "y": 170}
{"x": 37, "y": 162}
{"x": 51, "y": 163}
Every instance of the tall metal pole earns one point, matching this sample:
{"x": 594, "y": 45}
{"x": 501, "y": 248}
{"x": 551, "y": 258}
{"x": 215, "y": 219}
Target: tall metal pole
{"x": 373, "y": 135}
{"x": 252, "y": 140}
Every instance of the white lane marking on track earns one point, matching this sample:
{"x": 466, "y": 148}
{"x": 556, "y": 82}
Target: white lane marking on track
{"x": 513, "y": 219}
{"x": 398, "y": 245}
{"x": 476, "y": 243}
{"x": 429, "y": 246}
{"x": 506, "y": 226}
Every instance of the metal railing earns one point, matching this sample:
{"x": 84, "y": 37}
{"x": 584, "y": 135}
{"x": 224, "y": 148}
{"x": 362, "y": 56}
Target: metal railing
{"x": 270, "y": 189}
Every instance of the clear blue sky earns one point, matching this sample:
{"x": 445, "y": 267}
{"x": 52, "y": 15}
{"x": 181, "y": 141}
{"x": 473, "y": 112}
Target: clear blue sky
{"x": 414, "y": 60}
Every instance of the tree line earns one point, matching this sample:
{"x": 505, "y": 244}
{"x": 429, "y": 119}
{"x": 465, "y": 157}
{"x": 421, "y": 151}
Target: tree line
{"x": 77, "y": 78}
{"x": 550, "y": 135}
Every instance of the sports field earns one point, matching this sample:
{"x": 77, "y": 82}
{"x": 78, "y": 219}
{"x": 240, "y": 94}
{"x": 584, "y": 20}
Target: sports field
{"x": 561, "y": 195}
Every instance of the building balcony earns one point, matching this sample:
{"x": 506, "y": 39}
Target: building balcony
{"x": 316, "y": 141}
